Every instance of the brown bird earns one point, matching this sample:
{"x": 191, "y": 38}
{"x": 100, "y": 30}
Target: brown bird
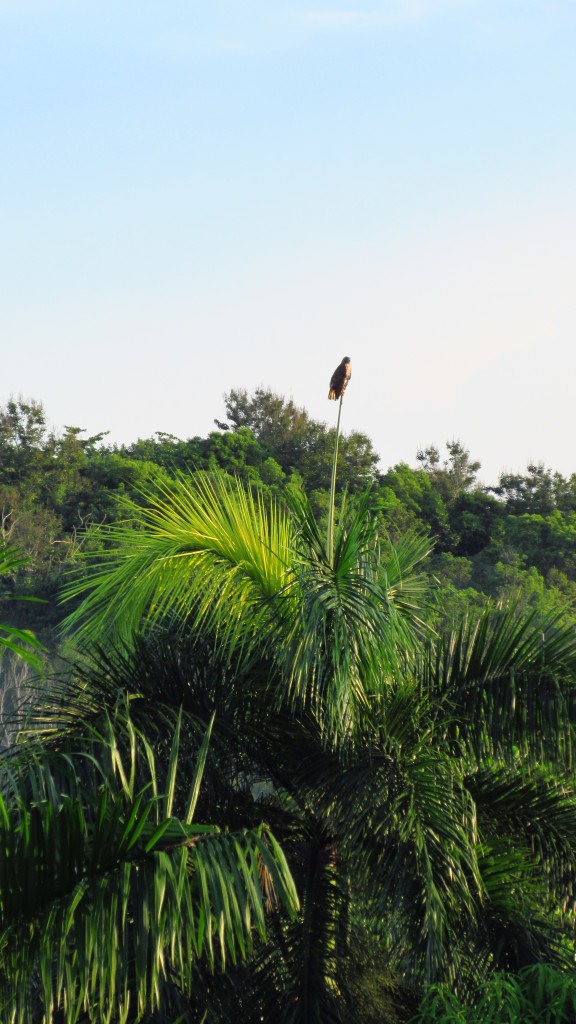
{"x": 340, "y": 378}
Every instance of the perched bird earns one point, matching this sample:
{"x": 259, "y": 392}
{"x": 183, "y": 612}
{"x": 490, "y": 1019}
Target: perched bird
{"x": 340, "y": 378}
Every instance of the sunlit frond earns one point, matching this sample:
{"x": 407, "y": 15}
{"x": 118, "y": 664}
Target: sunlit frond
{"x": 104, "y": 896}
{"x": 204, "y": 549}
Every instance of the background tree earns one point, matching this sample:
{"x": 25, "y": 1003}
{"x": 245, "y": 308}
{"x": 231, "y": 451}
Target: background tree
{"x": 456, "y": 474}
{"x": 300, "y": 443}
{"x": 539, "y": 491}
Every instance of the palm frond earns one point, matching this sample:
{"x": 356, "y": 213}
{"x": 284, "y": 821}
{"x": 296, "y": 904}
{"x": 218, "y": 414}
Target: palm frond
{"x": 515, "y": 927}
{"x": 203, "y": 549}
{"x": 507, "y": 679}
{"x": 537, "y": 811}
{"x": 104, "y": 897}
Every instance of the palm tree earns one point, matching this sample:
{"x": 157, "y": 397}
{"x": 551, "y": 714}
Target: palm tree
{"x": 258, "y": 581}
{"x": 421, "y": 788}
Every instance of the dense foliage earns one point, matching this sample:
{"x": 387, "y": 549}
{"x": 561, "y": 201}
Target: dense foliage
{"x": 515, "y": 539}
{"x": 385, "y": 754}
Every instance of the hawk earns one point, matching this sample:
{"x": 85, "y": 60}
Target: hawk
{"x": 340, "y": 378}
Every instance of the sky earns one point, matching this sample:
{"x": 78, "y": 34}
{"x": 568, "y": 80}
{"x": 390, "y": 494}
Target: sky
{"x": 196, "y": 197}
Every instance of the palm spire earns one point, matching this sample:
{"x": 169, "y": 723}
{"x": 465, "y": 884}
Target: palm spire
{"x": 338, "y": 385}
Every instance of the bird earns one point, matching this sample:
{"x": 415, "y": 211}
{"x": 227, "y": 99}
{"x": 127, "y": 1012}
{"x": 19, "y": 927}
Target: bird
{"x": 340, "y": 378}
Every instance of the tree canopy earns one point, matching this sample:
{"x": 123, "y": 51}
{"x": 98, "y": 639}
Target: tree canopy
{"x": 274, "y": 779}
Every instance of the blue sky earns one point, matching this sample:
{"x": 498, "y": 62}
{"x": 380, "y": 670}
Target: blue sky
{"x": 195, "y": 197}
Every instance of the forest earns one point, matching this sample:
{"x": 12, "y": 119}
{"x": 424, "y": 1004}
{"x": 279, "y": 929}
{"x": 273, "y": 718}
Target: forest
{"x": 285, "y": 738}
